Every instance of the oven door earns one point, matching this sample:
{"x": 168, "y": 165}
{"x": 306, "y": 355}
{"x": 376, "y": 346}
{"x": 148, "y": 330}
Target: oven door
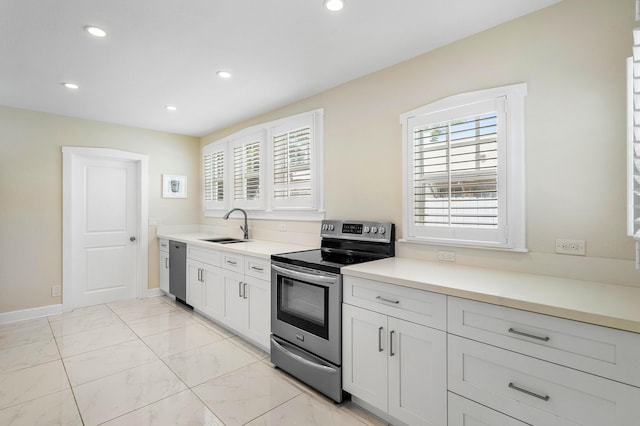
{"x": 306, "y": 309}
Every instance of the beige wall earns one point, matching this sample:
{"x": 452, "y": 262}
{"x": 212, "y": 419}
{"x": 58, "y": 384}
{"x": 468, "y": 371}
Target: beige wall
{"x": 31, "y": 195}
{"x": 572, "y": 55}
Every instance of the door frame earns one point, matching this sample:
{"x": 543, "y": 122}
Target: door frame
{"x": 69, "y": 157}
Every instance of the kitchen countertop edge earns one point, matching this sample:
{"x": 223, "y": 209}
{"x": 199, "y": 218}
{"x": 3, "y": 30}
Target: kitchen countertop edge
{"x": 257, "y": 248}
{"x": 602, "y": 304}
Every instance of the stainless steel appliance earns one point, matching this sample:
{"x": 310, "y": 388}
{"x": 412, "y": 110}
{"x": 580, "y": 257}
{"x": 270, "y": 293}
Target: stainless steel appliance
{"x": 178, "y": 270}
{"x": 306, "y": 300}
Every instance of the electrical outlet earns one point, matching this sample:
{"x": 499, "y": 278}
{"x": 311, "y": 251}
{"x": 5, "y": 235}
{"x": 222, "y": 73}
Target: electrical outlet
{"x": 282, "y": 227}
{"x": 55, "y": 291}
{"x": 447, "y": 256}
{"x": 574, "y": 247}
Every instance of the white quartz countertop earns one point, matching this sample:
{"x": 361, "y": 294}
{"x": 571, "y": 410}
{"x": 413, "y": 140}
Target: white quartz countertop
{"x": 597, "y": 303}
{"x": 257, "y": 248}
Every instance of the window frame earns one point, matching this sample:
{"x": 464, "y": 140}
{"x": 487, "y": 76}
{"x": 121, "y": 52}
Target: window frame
{"x": 268, "y": 207}
{"x": 511, "y": 172}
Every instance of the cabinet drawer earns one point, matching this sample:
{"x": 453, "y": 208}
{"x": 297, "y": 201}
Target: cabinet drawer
{"x": 422, "y": 307}
{"x": 535, "y": 391}
{"x": 258, "y": 268}
{"x": 212, "y": 257}
{"x": 598, "y": 350}
{"x": 463, "y": 412}
{"x": 233, "y": 262}
{"x": 164, "y": 245}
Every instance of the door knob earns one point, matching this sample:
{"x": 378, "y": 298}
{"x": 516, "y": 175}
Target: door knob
{"x": 132, "y": 238}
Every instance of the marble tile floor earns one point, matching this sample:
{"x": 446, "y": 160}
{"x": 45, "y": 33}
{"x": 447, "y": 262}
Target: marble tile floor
{"x": 149, "y": 362}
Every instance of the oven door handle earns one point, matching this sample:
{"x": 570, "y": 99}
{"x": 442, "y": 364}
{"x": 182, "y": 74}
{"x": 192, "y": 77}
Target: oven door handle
{"x": 304, "y": 276}
{"x": 304, "y": 361}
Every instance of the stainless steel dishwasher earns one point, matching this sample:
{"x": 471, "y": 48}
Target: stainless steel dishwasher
{"x": 178, "y": 270}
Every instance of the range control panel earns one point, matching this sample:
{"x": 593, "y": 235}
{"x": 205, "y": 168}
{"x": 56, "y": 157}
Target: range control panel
{"x": 357, "y": 230}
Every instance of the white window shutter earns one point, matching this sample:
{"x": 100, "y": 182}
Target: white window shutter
{"x": 634, "y": 152}
{"x": 213, "y": 172}
{"x": 293, "y": 184}
{"x": 248, "y": 182}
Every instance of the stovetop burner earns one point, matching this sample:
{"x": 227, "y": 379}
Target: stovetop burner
{"x": 343, "y": 244}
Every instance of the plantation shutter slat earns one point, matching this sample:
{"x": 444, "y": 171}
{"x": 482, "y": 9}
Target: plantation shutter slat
{"x": 246, "y": 171}
{"x": 292, "y": 164}
{"x": 214, "y": 176}
{"x": 455, "y": 172}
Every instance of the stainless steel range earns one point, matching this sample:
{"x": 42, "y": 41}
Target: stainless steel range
{"x": 306, "y": 300}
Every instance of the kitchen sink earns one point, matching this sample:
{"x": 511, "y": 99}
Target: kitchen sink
{"x": 224, "y": 240}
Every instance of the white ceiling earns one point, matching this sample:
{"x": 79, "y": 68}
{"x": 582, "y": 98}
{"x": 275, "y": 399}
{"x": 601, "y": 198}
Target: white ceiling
{"x": 167, "y": 52}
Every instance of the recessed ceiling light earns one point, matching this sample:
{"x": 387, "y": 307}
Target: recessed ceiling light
{"x": 170, "y": 108}
{"x": 224, "y": 74}
{"x": 95, "y": 31}
{"x": 334, "y": 5}
{"x": 70, "y": 85}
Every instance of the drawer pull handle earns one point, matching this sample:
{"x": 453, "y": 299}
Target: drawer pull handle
{"x": 533, "y": 336}
{"x": 519, "y": 389}
{"x": 232, "y": 262}
{"x": 255, "y": 268}
{"x": 380, "y": 339}
{"x": 244, "y": 290}
{"x": 384, "y": 299}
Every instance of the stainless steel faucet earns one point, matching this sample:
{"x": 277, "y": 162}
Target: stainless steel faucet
{"x": 245, "y": 228}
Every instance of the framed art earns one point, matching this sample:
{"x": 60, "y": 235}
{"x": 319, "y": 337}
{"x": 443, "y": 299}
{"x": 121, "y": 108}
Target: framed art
{"x": 174, "y": 186}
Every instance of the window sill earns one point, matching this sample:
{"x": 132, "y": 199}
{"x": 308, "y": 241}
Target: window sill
{"x": 465, "y": 245}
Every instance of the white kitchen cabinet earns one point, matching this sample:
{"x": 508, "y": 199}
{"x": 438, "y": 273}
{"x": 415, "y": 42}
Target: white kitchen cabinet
{"x": 364, "y": 355}
{"x": 203, "y": 274}
{"x": 247, "y": 299}
{"x": 164, "y": 265}
{"x": 195, "y": 284}
{"x": 540, "y": 369}
{"x": 259, "y": 310}
{"x": 235, "y": 299}
{"x": 397, "y": 366}
{"x": 464, "y": 412}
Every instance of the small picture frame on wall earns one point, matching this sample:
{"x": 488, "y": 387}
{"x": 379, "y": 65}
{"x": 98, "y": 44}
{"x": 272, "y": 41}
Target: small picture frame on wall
{"x": 174, "y": 186}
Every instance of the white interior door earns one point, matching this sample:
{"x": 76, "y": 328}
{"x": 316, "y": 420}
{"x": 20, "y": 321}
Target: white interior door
{"x": 103, "y": 254}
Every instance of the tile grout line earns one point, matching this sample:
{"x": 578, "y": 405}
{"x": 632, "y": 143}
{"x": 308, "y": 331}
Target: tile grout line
{"x": 66, "y": 373}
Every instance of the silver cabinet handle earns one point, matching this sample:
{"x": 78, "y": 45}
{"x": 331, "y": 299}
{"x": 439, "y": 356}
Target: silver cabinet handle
{"x": 384, "y": 299}
{"x": 240, "y": 289}
{"x": 519, "y": 389}
{"x": 532, "y": 336}
{"x": 244, "y": 290}
{"x": 391, "y": 343}
{"x": 255, "y": 268}
{"x": 202, "y": 275}
{"x": 199, "y": 276}
{"x": 132, "y": 238}
{"x": 380, "y": 339}
{"x": 231, "y": 262}
{"x": 166, "y": 262}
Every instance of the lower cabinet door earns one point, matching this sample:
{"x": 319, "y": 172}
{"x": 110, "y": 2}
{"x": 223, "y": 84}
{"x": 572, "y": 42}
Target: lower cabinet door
{"x": 164, "y": 271}
{"x": 463, "y": 412}
{"x": 195, "y": 285}
{"x": 417, "y": 373}
{"x": 235, "y": 300}
{"x": 214, "y": 293}
{"x": 259, "y": 300}
{"x": 364, "y": 355}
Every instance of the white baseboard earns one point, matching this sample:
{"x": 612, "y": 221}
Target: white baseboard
{"x": 25, "y": 314}
{"x": 155, "y": 292}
